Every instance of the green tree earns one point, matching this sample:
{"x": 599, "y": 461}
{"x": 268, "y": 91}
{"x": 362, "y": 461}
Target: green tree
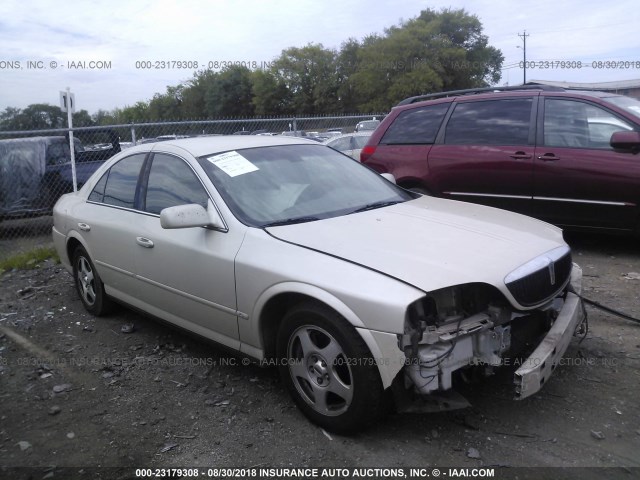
{"x": 346, "y": 66}
{"x": 82, "y": 118}
{"x": 433, "y": 52}
{"x": 310, "y": 77}
{"x": 193, "y": 94}
{"x": 103, "y": 117}
{"x": 137, "y": 113}
{"x": 7, "y": 118}
{"x": 166, "y": 106}
{"x": 230, "y": 94}
{"x": 33, "y": 117}
{"x": 270, "y": 96}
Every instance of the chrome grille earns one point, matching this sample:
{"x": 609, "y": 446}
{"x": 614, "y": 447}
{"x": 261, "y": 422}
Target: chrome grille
{"x": 542, "y": 284}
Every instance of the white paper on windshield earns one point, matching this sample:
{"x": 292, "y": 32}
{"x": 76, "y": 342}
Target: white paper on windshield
{"x": 233, "y": 164}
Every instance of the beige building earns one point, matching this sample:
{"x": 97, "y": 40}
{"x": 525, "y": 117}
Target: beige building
{"x": 630, "y": 88}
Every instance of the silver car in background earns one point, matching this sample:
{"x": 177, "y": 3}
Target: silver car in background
{"x": 283, "y": 251}
{"x": 350, "y": 144}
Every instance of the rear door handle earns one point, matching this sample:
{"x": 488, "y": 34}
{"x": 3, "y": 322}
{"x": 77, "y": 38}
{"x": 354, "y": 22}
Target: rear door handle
{"x": 144, "y": 242}
{"x": 520, "y": 156}
{"x": 549, "y": 157}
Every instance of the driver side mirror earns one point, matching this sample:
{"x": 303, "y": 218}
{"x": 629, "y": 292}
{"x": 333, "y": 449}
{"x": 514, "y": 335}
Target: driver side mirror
{"x": 191, "y": 215}
{"x": 626, "y": 141}
{"x": 389, "y": 177}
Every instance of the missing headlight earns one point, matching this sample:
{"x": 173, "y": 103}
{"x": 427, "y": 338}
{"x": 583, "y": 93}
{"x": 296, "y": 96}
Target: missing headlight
{"x": 463, "y": 301}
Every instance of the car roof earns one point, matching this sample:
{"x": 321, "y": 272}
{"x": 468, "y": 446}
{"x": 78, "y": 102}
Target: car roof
{"x": 199, "y": 146}
{"x": 488, "y": 92}
{"x": 50, "y": 139}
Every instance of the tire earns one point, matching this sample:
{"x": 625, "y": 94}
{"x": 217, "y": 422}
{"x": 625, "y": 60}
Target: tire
{"x": 328, "y": 370}
{"x": 88, "y": 284}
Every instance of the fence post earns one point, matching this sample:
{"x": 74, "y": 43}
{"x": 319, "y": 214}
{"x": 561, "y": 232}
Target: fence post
{"x": 295, "y": 127}
{"x": 70, "y": 109}
{"x": 133, "y": 135}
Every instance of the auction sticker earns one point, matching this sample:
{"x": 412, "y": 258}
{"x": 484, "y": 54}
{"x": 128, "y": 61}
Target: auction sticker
{"x": 232, "y": 163}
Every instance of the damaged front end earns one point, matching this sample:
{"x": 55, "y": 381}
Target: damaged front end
{"x": 472, "y": 329}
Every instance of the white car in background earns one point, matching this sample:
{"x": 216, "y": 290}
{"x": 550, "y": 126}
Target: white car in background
{"x": 280, "y": 249}
{"x": 350, "y": 144}
{"x": 367, "y": 125}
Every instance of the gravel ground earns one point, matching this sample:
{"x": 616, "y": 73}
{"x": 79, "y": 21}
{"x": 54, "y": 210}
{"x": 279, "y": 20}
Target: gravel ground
{"x": 76, "y": 391}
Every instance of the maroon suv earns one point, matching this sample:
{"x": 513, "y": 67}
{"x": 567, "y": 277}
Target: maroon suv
{"x": 568, "y": 157}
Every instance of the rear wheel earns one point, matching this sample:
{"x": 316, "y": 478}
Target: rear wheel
{"x": 88, "y": 284}
{"x": 328, "y": 369}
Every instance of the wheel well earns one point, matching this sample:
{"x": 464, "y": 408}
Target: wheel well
{"x": 272, "y": 314}
{"x": 72, "y": 244}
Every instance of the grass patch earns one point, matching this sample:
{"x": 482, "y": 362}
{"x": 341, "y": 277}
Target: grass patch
{"x": 29, "y": 260}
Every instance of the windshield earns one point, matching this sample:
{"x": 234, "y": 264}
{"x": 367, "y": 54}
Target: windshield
{"x": 296, "y": 183}
{"x": 631, "y": 105}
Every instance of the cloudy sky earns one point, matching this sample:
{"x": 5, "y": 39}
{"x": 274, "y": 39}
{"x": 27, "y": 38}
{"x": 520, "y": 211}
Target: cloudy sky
{"x": 44, "y": 42}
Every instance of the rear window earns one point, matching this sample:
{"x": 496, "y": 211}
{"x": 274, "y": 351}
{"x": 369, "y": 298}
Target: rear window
{"x": 416, "y": 126}
{"x": 58, "y": 153}
{"x": 493, "y": 122}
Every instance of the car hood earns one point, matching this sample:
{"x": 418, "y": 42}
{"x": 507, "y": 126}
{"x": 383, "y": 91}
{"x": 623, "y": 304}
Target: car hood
{"x": 430, "y": 243}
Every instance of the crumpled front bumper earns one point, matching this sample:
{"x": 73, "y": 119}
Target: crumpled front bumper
{"x": 539, "y": 366}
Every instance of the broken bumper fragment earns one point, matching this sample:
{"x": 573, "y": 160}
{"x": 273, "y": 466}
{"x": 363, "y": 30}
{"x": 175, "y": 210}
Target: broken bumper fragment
{"x": 537, "y": 369}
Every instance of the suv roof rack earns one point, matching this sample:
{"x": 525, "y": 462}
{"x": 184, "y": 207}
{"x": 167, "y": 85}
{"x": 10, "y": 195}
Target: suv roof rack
{"x": 474, "y": 91}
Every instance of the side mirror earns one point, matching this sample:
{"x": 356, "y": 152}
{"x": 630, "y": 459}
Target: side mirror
{"x": 627, "y": 141}
{"x": 389, "y": 177}
{"x": 191, "y": 215}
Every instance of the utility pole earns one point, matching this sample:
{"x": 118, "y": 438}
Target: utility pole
{"x": 524, "y": 64}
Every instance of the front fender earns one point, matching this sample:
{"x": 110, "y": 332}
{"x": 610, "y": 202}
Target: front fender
{"x": 310, "y": 291}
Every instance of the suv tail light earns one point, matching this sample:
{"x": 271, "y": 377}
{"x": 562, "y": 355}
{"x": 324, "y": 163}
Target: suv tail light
{"x": 366, "y": 152}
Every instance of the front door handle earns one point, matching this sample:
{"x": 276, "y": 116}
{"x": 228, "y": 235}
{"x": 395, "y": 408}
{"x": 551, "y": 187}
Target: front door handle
{"x": 144, "y": 242}
{"x": 520, "y": 156}
{"x": 549, "y": 157}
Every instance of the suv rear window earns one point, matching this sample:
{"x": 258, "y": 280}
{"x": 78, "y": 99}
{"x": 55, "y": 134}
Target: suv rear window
{"x": 416, "y": 126}
{"x": 492, "y": 122}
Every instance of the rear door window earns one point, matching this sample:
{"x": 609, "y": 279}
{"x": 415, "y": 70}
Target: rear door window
{"x": 118, "y": 186}
{"x": 492, "y": 122}
{"x": 416, "y": 126}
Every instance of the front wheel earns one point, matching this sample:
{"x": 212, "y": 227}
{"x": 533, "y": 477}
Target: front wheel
{"x": 88, "y": 284}
{"x": 328, "y": 369}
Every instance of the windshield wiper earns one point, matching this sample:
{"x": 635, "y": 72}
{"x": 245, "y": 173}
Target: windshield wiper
{"x": 375, "y": 205}
{"x": 290, "y": 221}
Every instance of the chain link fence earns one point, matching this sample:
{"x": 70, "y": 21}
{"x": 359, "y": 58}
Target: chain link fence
{"x": 36, "y": 167}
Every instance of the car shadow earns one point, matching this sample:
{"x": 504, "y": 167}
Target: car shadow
{"x": 612, "y": 245}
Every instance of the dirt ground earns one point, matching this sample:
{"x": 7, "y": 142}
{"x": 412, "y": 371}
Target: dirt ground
{"x": 76, "y": 391}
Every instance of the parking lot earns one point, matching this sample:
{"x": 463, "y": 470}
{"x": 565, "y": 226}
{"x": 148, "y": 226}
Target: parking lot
{"x": 79, "y": 391}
